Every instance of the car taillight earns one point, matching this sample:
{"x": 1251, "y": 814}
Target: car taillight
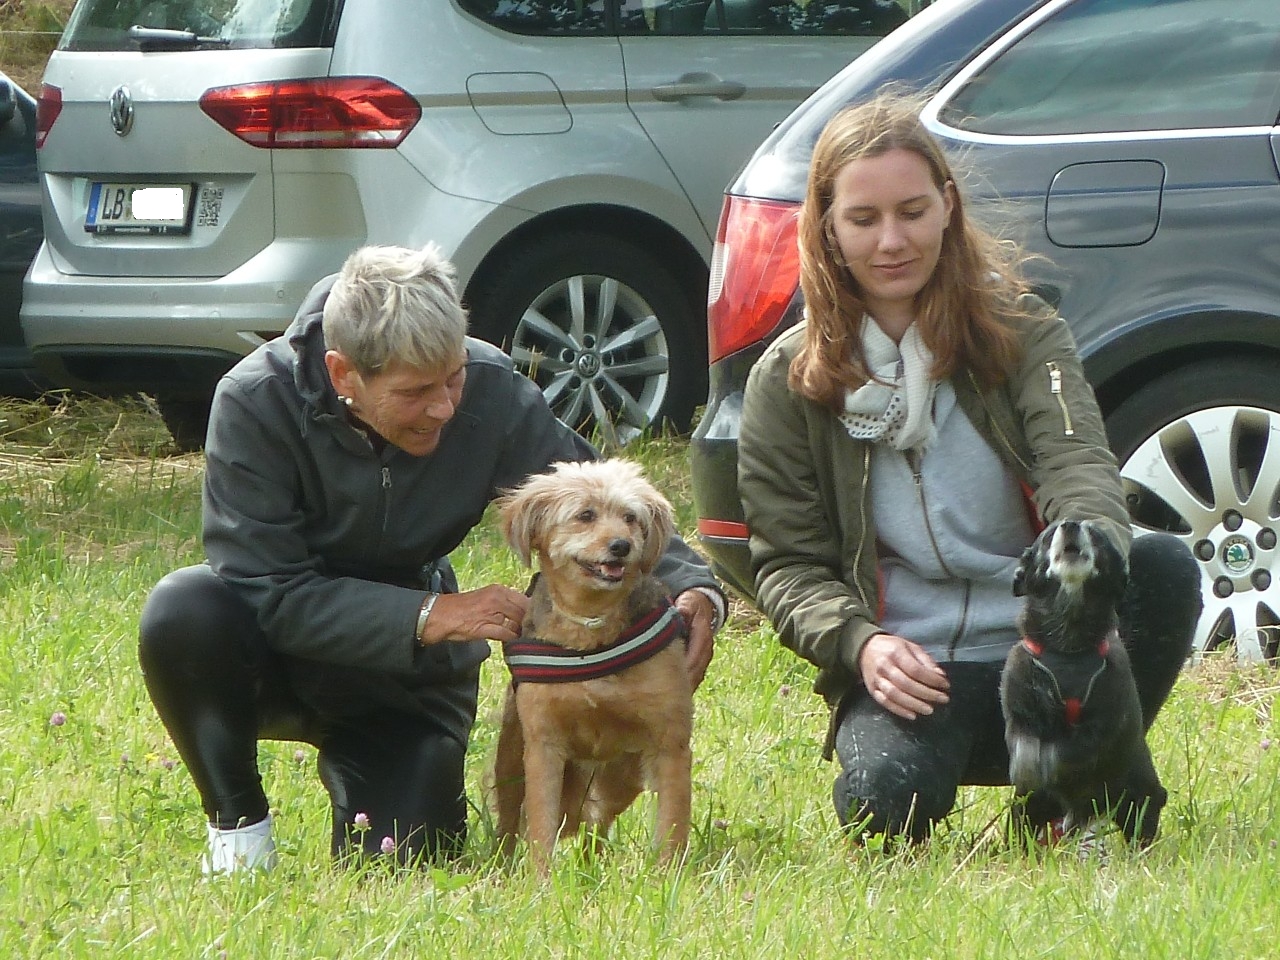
{"x": 48, "y": 106}
{"x": 755, "y": 269}
{"x": 332, "y": 112}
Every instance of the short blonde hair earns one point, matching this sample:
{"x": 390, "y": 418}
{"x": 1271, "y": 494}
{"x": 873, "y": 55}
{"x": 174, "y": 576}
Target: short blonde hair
{"x": 394, "y": 303}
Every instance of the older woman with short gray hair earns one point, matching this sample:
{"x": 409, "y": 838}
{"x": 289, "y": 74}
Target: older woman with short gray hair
{"x": 345, "y": 460}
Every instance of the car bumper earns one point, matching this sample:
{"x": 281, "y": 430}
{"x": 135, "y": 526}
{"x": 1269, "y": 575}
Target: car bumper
{"x": 169, "y": 336}
{"x": 713, "y": 460}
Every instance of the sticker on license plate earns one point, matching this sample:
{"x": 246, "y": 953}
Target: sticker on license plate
{"x": 159, "y": 209}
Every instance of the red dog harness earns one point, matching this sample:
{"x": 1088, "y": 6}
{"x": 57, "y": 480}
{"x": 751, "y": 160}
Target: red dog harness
{"x": 538, "y": 661}
{"x": 1072, "y": 706}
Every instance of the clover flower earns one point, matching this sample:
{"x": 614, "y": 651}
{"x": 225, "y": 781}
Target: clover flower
{"x": 57, "y": 718}
{"x": 388, "y": 846}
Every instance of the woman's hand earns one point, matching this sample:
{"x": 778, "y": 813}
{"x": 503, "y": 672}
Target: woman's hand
{"x": 700, "y": 614}
{"x": 494, "y": 612}
{"x": 901, "y": 676}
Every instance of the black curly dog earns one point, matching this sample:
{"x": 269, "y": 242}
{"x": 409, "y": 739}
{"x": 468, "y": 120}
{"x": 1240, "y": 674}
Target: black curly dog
{"x": 1073, "y": 720}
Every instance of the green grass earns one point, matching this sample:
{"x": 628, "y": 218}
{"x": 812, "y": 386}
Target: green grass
{"x": 29, "y": 31}
{"x": 101, "y": 832}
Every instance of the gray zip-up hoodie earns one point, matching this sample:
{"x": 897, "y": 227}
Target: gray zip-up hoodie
{"x": 327, "y": 538}
{"x": 951, "y": 524}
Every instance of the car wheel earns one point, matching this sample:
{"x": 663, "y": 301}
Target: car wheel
{"x": 187, "y": 420}
{"x": 1199, "y": 450}
{"x": 603, "y": 327}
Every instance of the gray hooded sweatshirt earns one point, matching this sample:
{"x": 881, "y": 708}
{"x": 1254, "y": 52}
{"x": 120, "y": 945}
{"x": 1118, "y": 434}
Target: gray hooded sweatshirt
{"x": 951, "y": 525}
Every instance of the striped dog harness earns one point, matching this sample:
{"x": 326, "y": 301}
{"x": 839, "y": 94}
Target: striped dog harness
{"x": 538, "y": 661}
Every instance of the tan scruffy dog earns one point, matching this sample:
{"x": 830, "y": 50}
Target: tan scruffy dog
{"x": 600, "y": 703}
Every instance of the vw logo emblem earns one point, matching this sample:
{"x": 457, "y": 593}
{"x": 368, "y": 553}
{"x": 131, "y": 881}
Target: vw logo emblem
{"x": 121, "y": 110}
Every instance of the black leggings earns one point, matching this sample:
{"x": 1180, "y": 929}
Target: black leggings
{"x": 899, "y": 777}
{"x": 219, "y": 689}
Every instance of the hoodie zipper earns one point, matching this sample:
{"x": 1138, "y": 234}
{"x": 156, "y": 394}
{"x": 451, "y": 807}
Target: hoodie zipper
{"x": 1055, "y": 387}
{"x": 913, "y": 461}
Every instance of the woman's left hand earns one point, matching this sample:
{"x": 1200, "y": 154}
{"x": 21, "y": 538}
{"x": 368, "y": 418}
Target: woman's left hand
{"x": 494, "y": 612}
{"x": 700, "y": 613}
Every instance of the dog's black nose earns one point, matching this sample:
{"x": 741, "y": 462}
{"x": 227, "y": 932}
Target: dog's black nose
{"x": 1071, "y": 538}
{"x": 619, "y": 547}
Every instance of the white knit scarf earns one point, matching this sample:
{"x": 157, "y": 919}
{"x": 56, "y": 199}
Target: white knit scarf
{"x": 896, "y": 407}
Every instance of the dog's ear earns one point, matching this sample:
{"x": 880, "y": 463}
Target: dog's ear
{"x": 1020, "y": 575}
{"x": 659, "y": 527}
{"x": 522, "y": 512}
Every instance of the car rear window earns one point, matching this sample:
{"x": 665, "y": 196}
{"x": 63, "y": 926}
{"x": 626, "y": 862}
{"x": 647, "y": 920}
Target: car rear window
{"x": 103, "y": 25}
{"x": 1104, "y": 66}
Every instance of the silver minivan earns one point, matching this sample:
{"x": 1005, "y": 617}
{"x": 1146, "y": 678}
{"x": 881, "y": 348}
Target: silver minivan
{"x": 204, "y": 162}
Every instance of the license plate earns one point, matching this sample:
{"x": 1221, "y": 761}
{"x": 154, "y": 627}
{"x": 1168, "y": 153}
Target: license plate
{"x": 159, "y": 209}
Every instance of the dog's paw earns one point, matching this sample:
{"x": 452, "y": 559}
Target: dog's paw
{"x": 1032, "y": 762}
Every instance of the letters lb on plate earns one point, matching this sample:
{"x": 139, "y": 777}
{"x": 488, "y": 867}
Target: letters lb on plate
{"x": 160, "y": 209}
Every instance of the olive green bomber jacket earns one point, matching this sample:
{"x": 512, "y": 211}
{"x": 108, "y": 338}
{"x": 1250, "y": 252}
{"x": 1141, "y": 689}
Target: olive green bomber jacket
{"x": 803, "y": 482}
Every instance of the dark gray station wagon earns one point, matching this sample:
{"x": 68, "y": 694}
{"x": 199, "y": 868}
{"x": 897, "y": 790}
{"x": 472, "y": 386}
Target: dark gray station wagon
{"x": 1136, "y": 143}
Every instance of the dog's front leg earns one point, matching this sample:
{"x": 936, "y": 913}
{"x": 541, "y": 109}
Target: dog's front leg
{"x": 673, "y": 776}
{"x": 543, "y": 799}
{"x": 508, "y": 776}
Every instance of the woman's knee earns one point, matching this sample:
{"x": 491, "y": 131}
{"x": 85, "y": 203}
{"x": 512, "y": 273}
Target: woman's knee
{"x": 1161, "y": 562}
{"x": 412, "y": 791}
{"x": 191, "y": 613}
{"x": 892, "y": 798}
{"x": 1162, "y": 606}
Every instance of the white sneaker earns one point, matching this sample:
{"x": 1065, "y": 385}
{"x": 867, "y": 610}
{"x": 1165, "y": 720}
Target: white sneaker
{"x": 241, "y": 848}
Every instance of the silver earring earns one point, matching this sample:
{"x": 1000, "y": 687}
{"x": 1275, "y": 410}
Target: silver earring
{"x": 349, "y": 401}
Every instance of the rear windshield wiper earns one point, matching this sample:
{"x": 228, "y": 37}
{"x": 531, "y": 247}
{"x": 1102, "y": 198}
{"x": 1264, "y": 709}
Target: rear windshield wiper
{"x": 157, "y": 38}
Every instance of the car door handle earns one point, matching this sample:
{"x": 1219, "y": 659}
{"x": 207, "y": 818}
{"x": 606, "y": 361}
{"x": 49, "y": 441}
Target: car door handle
{"x": 698, "y": 85}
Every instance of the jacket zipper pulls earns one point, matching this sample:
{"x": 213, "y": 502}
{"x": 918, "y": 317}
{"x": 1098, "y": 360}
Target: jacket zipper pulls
{"x": 1055, "y": 387}
{"x": 862, "y": 502}
{"x": 386, "y": 497}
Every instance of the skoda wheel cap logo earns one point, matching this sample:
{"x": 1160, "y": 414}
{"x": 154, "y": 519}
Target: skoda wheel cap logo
{"x": 1237, "y": 554}
{"x": 121, "y": 110}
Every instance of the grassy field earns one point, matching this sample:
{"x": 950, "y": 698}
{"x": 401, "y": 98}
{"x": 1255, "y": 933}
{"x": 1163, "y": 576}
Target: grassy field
{"x": 28, "y": 31}
{"x": 101, "y": 830}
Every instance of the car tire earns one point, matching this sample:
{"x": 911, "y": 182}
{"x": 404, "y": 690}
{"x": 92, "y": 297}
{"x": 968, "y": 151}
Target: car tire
{"x": 1199, "y": 458}
{"x": 187, "y": 421}
{"x": 604, "y": 328}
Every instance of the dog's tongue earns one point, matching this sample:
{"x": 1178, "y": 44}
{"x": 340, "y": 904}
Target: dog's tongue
{"x": 613, "y": 570}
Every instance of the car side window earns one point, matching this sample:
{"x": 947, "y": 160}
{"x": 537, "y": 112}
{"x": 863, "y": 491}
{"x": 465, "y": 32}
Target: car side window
{"x": 856, "y": 18}
{"x": 1101, "y": 66}
{"x": 684, "y": 18}
{"x": 572, "y": 17}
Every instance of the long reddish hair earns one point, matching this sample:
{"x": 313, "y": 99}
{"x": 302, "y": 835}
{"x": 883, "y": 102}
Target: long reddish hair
{"x": 964, "y": 310}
